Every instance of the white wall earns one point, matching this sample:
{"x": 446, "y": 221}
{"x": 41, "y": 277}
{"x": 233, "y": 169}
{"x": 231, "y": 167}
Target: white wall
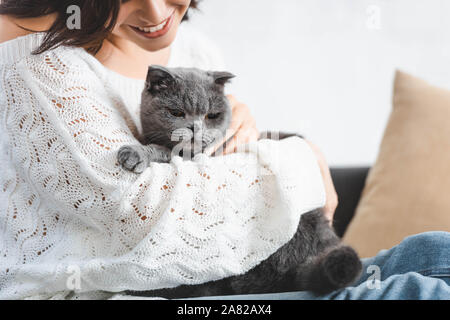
{"x": 325, "y": 67}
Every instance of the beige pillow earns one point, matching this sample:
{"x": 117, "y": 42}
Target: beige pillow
{"x": 408, "y": 189}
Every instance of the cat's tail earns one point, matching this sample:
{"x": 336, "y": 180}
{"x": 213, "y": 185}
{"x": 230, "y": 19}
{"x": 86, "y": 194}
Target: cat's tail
{"x": 338, "y": 268}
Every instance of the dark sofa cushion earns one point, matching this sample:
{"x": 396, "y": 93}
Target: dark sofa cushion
{"x": 349, "y": 183}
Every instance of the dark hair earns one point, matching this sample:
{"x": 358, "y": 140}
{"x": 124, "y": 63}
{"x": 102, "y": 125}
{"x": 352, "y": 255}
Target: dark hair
{"x": 99, "y": 18}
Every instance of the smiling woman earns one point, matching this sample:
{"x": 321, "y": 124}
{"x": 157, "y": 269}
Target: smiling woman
{"x": 68, "y": 209}
{"x": 98, "y": 19}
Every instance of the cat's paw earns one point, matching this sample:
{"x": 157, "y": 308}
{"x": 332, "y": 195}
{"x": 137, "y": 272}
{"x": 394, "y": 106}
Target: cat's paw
{"x": 131, "y": 159}
{"x": 342, "y": 266}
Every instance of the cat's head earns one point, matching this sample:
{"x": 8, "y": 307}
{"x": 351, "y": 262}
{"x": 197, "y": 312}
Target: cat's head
{"x": 177, "y": 101}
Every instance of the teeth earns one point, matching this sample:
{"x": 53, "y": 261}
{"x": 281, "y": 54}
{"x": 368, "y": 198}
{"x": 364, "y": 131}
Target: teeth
{"x": 153, "y": 29}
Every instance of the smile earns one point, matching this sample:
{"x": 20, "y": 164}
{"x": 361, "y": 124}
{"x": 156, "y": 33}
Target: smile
{"x": 155, "y": 31}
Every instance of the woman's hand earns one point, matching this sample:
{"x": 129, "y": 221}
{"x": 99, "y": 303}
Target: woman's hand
{"x": 242, "y": 129}
{"x": 331, "y": 195}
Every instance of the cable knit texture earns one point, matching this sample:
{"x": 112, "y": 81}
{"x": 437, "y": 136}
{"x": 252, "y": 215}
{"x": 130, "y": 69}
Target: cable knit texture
{"x": 68, "y": 211}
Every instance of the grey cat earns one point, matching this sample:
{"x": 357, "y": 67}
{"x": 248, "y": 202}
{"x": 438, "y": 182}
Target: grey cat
{"x": 182, "y": 111}
{"x": 189, "y": 105}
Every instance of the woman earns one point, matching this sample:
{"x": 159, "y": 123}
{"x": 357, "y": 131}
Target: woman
{"x": 72, "y": 220}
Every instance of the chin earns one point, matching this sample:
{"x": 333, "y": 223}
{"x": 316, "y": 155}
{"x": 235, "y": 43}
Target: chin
{"x": 156, "y": 45}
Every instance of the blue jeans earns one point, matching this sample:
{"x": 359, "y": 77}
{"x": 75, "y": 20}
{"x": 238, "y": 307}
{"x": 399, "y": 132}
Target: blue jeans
{"x": 417, "y": 268}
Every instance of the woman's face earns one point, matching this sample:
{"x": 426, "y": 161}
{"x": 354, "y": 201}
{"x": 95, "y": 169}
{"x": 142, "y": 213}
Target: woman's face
{"x": 151, "y": 24}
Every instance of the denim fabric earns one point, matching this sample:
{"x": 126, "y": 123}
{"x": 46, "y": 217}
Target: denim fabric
{"x": 417, "y": 268}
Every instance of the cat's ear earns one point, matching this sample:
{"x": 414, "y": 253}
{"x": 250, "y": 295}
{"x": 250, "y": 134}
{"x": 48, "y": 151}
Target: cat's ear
{"x": 159, "y": 79}
{"x": 221, "y": 77}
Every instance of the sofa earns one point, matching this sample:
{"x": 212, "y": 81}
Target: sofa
{"x": 349, "y": 183}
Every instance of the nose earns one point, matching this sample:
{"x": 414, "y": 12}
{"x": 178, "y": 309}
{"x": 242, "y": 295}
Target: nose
{"x": 197, "y": 126}
{"x": 154, "y": 11}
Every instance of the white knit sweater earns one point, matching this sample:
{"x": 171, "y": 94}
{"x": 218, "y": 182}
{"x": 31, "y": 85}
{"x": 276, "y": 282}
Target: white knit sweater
{"x": 74, "y": 224}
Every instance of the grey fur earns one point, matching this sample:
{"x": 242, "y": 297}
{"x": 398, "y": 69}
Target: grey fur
{"x": 191, "y": 92}
{"x": 314, "y": 259}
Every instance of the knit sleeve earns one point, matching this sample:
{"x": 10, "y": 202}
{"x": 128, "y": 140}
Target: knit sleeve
{"x": 185, "y": 222}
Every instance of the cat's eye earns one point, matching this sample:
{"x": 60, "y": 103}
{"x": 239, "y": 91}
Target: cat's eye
{"x": 177, "y": 113}
{"x": 212, "y": 116}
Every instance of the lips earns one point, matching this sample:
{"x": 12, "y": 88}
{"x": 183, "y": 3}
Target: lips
{"x": 155, "y": 31}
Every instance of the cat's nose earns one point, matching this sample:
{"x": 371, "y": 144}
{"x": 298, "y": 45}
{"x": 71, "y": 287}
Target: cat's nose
{"x": 197, "y": 126}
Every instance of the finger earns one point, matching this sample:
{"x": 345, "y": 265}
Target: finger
{"x": 240, "y": 138}
{"x": 231, "y": 145}
{"x": 332, "y": 201}
{"x": 244, "y": 136}
{"x": 248, "y": 134}
{"x": 239, "y": 117}
{"x": 330, "y": 191}
{"x": 332, "y": 197}
{"x": 215, "y": 148}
